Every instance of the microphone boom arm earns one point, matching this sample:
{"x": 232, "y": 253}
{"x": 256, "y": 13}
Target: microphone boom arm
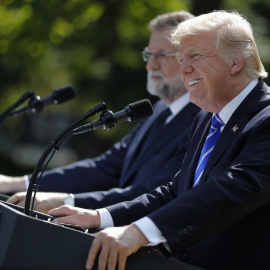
{"x": 133, "y": 112}
{"x": 55, "y": 145}
{"x": 8, "y": 111}
{"x": 107, "y": 122}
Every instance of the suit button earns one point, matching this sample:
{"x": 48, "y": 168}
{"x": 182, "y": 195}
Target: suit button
{"x": 185, "y": 256}
{"x": 185, "y": 231}
{"x": 190, "y": 228}
{"x": 180, "y": 233}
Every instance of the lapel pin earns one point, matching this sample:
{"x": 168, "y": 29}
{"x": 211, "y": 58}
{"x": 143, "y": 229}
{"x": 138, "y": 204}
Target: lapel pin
{"x": 234, "y": 128}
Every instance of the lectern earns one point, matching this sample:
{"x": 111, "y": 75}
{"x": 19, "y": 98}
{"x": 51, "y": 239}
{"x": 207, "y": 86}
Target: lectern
{"x": 34, "y": 242}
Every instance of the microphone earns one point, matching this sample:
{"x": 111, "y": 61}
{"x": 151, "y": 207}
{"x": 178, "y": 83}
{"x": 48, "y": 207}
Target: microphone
{"x": 37, "y": 104}
{"x": 132, "y": 112}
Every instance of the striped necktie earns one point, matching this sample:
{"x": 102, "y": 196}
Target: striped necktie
{"x": 208, "y": 147}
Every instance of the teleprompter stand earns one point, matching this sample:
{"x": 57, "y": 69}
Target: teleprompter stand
{"x": 33, "y": 243}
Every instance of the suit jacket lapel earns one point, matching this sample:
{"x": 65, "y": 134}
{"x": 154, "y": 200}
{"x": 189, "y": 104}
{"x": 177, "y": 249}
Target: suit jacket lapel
{"x": 137, "y": 139}
{"x": 173, "y": 128}
{"x": 194, "y": 150}
{"x": 235, "y": 125}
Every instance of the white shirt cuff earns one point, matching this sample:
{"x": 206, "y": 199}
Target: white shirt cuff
{"x": 105, "y": 218}
{"x": 145, "y": 224}
{"x": 27, "y": 180}
{"x": 70, "y": 200}
{"x": 150, "y": 230}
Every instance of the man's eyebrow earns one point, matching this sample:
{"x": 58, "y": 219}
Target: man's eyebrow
{"x": 159, "y": 51}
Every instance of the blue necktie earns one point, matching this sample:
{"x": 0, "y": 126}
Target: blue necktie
{"x": 208, "y": 147}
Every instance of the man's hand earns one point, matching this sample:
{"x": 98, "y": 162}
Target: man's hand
{"x": 9, "y": 184}
{"x": 88, "y": 219}
{"x": 44, "y": 201}
{"x": 115, "y": 245}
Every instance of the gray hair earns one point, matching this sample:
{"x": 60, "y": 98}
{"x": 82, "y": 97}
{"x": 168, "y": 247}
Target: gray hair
{"x": 171, "y": 19}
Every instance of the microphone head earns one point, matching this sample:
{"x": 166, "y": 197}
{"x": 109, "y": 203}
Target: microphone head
{"x": 63, "y": 94}
{"x": 140, "y": 109}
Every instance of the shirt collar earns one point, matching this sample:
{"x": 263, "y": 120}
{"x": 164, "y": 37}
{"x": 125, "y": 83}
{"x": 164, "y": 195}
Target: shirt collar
{"x": 179, "y": 104}
{"x": 229, "y": 109}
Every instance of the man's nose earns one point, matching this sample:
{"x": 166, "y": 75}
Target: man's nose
{"x": 185, "y": 67}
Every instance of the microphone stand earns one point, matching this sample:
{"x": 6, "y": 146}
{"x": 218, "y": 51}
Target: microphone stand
{"x": 54, "y": 146}
{"x": 7, "y": 112}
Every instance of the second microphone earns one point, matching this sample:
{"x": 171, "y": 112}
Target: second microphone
{"x": 133, "y": 112}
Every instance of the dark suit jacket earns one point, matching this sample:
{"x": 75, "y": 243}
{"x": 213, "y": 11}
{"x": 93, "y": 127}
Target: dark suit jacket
{"x": 224, "y": 222}
{"x": 118, "y": 175}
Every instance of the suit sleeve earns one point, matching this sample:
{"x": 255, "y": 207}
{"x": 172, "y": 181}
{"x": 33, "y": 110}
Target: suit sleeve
{"x": 239, "y": 185}
{"x": 100, "y": 199}
{"x": 102, "y": 172}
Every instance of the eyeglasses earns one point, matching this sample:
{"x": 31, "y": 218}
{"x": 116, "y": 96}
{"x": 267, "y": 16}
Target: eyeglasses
{"x": 161, "y": 57}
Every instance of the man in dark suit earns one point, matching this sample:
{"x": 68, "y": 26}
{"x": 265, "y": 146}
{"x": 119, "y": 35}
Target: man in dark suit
{"x": 132, "y": 166}
{"x": 215, "y": 212}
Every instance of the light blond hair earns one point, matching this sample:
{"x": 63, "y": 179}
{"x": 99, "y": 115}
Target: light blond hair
{"x": 234, "y": 37}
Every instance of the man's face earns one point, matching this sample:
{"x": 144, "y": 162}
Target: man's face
{"x": 163, "y": 79}
{"x": 205, "y": 74}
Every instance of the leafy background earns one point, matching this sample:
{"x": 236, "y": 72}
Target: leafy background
{"x": 94, "y": 45}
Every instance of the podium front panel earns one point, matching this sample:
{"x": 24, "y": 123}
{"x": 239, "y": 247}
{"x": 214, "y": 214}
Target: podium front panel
{"x": 33, "y": 243}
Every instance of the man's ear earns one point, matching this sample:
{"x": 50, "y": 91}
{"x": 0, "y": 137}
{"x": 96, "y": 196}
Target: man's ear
{"x": 238, "y": 64}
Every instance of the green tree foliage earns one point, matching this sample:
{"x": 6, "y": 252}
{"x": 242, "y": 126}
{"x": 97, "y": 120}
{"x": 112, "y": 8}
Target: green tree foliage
{"x": 96, "y": 46}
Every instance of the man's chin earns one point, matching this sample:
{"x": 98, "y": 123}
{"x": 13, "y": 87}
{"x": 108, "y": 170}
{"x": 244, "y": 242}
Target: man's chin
{"x": 154, "y": 90}
{"x": 154, "y": 94}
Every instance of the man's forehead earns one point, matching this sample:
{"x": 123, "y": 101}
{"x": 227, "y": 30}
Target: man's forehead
{"x": 159, "y": 41}
{"x": 195, "y": 43}
{"x": 182, "y": 48}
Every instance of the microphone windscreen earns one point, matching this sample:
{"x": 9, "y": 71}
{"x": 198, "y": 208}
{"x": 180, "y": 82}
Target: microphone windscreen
{"x": 64, "y": 94}
{"x": 141, "y": 109}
